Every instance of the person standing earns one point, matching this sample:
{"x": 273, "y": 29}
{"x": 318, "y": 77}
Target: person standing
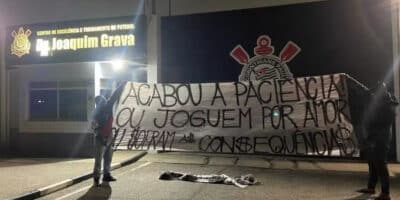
{"x": 102, "y": 126}
{"x": 378, "y": 122}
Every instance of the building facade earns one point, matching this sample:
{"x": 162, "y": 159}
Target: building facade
{"x": 26, "y": 129}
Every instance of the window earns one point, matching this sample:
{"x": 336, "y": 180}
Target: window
{"x": 58, "y": 101}
{"x": 43, "y": 104}
{"x": 73, "y": 105}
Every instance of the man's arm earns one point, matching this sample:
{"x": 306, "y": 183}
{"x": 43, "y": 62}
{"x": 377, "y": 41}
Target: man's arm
{"x": 116, "y": 95}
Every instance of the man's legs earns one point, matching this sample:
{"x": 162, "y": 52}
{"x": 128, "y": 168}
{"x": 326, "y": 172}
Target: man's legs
{"x": 372, "y": 179}
{"x": 107, "y": 162}
{"x": 98, "y": 155}
{"x": 383, "y": 174}
{"x": 373, "y": 175}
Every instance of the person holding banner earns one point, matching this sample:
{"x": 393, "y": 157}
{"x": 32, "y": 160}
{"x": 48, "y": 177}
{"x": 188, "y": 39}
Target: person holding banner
{"x": 379, "y": 119}
{"x": 102, "y": 126}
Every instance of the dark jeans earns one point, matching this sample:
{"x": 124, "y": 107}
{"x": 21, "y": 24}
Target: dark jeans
{"x": 378, "y": 169}
{"x": 102, "y": 152}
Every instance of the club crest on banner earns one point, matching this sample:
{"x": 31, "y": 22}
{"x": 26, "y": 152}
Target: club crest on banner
{"x": 21, "y": 44}
{"x": 265, "y": 65}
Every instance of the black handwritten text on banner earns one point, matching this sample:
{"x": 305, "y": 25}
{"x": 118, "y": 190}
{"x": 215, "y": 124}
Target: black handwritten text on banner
{"x": 302, "y": 116}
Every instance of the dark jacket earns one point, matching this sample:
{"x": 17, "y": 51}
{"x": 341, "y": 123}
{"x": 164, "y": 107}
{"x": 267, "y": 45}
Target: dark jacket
{"x": 378, "y": 123}
{"x": 103, "y": 113}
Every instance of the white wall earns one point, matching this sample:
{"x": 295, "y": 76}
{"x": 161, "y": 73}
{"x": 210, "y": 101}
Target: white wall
{"x": 4, "y": 141}
{"x": 52, "y": 72}
{"x": 13, "y": 93}
{"x": 15, "y": 12}
{"x": 183, "y": 7}
{"x": 396, "y": 71}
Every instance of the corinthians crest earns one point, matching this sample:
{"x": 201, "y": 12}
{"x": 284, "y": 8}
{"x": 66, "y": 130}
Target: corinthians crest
{"x": 265, "y": 65}
{"x": 21, "y": 44}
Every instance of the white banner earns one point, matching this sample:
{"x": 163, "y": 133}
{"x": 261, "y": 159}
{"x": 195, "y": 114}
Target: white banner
{"x": 301, "y": 116}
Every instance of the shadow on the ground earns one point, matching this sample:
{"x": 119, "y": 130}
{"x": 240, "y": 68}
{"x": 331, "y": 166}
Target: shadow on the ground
{"x": 100, "y": 193}
{"x": 361, "y": 197}
{"x": 34, "y": 161}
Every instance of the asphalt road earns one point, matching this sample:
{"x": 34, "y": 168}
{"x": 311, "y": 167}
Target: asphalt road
{"x": 139, "y": 181}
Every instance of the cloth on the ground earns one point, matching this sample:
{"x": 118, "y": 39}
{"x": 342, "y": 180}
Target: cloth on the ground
{"x": 241, "y": 181}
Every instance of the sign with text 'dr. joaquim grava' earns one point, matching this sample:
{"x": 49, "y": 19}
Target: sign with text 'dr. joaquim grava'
{"x": 77, "y": 41}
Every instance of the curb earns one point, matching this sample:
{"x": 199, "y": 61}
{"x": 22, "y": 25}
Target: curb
{"x": 271, "y": 157}
{"x": 68, "y": 182}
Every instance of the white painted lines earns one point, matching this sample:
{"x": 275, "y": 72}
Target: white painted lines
{"x": 89, "y": 186}
{"x": 74, "y": 192}
{"x": 52, "y": 188}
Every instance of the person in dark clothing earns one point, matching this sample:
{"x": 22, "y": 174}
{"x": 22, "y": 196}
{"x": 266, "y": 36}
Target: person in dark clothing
{"x": 378, "y": 121}
{"x": 102, "y": 126}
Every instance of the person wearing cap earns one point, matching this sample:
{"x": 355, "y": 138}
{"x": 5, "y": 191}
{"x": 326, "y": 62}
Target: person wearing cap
{"x": 378, "y": 123}
{"x": 102, "y": 128}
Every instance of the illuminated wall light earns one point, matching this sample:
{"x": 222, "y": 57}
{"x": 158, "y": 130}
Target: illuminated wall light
{"x": 117, "y": 65}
